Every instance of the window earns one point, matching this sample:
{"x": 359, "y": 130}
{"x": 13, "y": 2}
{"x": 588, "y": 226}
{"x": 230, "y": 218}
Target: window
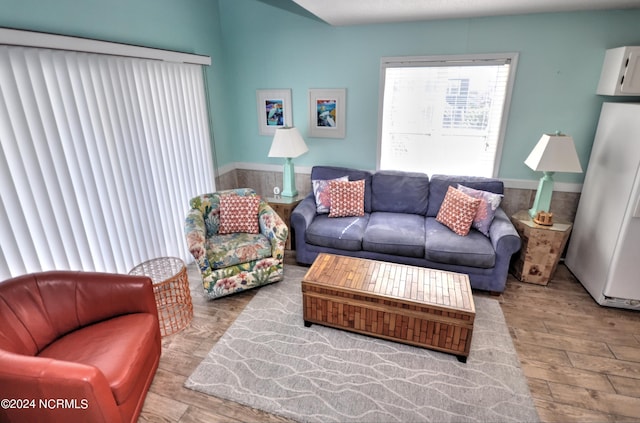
{"x": 444, "y": 114}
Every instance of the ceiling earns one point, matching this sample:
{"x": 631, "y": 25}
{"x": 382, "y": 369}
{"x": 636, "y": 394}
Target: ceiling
{"x": 358, "y": 12}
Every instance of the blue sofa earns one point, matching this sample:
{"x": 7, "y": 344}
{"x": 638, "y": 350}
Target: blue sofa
{"x": 399, "y": 225}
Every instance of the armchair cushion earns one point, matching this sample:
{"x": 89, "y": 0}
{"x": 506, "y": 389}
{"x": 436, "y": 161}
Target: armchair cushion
{"x": 106, "y": 346}
{"x": 233, "y": 249}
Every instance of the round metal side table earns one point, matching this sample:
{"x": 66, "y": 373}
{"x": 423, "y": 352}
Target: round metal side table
{"x": 171, "y": 289}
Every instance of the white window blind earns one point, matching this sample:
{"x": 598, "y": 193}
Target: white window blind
{"x": 444, "y": 115}
{"x": 99, "y": 156}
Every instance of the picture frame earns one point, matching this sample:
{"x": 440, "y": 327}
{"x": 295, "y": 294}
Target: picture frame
{"x": 274, "y": 110}
{"x": 327, "y": 113}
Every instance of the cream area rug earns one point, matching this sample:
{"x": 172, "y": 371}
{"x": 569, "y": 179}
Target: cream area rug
{"x": 268, "y": 360}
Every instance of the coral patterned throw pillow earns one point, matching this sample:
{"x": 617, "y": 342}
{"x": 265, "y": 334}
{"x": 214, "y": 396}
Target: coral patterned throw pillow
{"x": 347, "y": 198}
{"x": 239, "y": 214}
{"x": 457, "y": 211}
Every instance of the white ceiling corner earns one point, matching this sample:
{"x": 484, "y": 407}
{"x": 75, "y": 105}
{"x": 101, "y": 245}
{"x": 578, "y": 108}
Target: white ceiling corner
{"x": 358, "y": 12}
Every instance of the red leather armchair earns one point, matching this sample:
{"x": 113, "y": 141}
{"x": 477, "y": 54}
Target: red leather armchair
{"x": 76, "y": 346}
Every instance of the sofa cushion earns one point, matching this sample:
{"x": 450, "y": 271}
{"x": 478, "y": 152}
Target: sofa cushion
{"x": 439, "y": 184}
{"x": 119, "y": 347}
{"x": 400, "y": 234}
{"x": 347, "y": 198}
{"x": 333, "y": 172}
{"x": 444, "y": 246}
{"x": 399, "y": 192}
{"x": 233, "y": 249}
{"x": 344, "y": 233}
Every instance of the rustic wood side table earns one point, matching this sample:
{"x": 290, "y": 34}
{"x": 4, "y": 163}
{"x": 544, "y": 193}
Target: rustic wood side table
{"x": 171, "y": 289}
{"x": 541, "y": 249}
{"x": 284, "y": 207}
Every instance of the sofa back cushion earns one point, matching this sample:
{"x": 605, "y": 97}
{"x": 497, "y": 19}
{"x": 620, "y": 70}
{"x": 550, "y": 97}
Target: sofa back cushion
{"x": 439, "y": 185}
{"x": 400, "y": 192}
{"x": 333, "y": 172}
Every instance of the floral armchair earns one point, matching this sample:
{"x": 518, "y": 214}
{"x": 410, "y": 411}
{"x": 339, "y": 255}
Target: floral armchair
{"x": 233, "y": 262}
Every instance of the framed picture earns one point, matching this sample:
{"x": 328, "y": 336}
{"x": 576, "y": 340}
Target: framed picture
{"x": 327, "y": 111}
{"x": 274, "y": 110}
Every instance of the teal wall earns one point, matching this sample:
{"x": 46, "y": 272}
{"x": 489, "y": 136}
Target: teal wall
{"x": 256, "y": 46}
{"x": 559, "y": 67}
{"x": 191, "y": 26}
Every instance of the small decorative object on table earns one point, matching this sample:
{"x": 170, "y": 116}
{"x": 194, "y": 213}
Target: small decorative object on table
{"x": 171, "y": 289}
{"x": 544, "y": 218}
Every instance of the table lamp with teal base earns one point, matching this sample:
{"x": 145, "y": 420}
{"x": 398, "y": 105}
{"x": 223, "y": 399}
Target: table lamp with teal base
{"x": 553, "y": 153}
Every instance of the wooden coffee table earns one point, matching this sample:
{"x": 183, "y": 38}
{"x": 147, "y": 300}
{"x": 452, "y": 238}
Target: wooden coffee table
{"x": 414, "y": 305}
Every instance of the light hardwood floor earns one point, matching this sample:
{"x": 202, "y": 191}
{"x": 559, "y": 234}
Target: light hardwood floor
{"x": 582, "y": 361}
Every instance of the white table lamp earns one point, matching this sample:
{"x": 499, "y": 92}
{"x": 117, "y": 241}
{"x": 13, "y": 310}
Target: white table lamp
{"x": 553, "y": 153}
{"x": 288, "y": 143}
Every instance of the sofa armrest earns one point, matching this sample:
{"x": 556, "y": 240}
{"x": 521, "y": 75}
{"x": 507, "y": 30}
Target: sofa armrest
{"x": 303, "y": 214}
{"x": 503, "y": 235}
{"x": 274, "y": 228}
{"x": 39, "y": 382}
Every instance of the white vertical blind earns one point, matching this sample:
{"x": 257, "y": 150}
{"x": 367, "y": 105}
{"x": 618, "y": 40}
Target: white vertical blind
{"x": 99, "y": 156}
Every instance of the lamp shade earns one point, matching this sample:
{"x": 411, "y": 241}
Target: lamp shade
{"x": 287, "y": 142}
{"x": 554, "y": 153}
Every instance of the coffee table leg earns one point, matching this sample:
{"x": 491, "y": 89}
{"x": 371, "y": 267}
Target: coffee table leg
{"x": 462, "y": 358}
{"x": 307, "y": 324}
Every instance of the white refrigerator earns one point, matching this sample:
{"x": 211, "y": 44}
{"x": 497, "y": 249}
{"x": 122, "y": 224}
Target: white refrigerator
{"x": 604, "y": 249}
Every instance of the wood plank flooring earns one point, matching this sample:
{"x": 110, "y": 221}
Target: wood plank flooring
{"x": 582, "y": 361}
